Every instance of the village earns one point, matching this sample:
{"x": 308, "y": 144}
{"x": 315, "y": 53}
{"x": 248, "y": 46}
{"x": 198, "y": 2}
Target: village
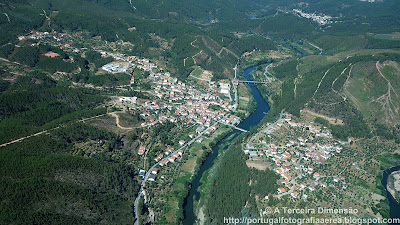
{"x": 295, "y": 158}
{"x": 200, "y": 108}
{"x": 321, "y": 19}
{"x": 62, "y": 40}
{"x": 297, "y": 149}
{"x": 313, "y": 166}
{"x": 175, "y": 102}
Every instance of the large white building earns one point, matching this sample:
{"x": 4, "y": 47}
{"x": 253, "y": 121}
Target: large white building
{"x": 225, "y": 88}
{"x": 116, "y": 67}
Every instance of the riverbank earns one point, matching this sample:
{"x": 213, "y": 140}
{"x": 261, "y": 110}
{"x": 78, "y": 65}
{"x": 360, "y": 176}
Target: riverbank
{"x": 393, "y": 185}
{"x": 195, "y": 200}
{"x": 192, "y": 201}
{"x": 205, "y": 183}
{"x": 198, "y": 204}
{"x": 390, "y": 163}
{"x": 185, "y": 173}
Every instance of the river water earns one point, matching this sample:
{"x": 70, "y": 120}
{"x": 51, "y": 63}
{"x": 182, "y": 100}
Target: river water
{"x": 252, "y": 120}
{"x": 394, "y": 205}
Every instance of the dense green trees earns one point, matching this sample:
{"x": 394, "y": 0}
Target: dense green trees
{"x": 263, "y": 182}
{"x": 21, "y": 19}
{"x": 120, "y": 177}
{"x": 4, "y": 85}
{"x": 230, "y": 186}
{"x": 392, "y": 133}
{"x": 247, "y": 44}
{"x": 26, "y": 107}
{"x": 26, "y": 55}
{"x": 162, "y": 132}
{"x": 96, "y": 58}
{"x": 6, "y": 50}
{"x": 376, "y": 43}
{"x": 77, "y": 132}
{"x": 42, "y": 183}
{"x": 33, "y": 56}
{"x": 55, "y": 64}
{"x": 107, "y": 80}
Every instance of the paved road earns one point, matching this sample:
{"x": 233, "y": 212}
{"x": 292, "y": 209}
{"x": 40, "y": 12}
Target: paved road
{"x": 267, "y": 74}
{"x": 235, "y": 89}
{"x": 184, "y": 146}
{"x": 237, "y": 128}
{"x": 293, "y": 183}
{"x": 158, "y": 163}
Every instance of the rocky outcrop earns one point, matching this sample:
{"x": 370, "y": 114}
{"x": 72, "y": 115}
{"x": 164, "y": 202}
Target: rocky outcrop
{"x": 393, "y": 185}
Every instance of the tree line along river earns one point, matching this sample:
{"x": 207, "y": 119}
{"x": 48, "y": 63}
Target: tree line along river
{"x": 253, "y": 120}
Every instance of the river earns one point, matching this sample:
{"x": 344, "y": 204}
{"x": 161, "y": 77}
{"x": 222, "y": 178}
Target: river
{"x": 252, "y": 120}
{"x": 393, "y": 204}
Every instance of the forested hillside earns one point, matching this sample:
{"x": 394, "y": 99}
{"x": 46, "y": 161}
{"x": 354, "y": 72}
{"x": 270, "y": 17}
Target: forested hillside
{"x": 43, "y": 183}
{"x": 45, "y": 179}
{"x": 337, "y": 58}
{"x": 364, "y": 97}
{"x": 34, "y": 103}
{"x": 192, "y": 39}
{"x": 217, "y": 51}
{"x": 234, "y": 187}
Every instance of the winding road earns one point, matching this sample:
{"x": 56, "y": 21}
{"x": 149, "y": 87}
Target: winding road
{"x": 148, "y": 173}
{"x": 117, "y": 121}
{"x": 142, "y": 186}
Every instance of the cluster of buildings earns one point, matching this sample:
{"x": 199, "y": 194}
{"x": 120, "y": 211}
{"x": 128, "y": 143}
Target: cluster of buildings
{"x": 129, "y": 100}
{"x": 294, "y": 159}
{"x": 131, "y": 61}
{"x": 127, "y": 62}
{"x": 321, "y": 19}
{"x": 122, "y": 67}
{"x": 57, "y": 39}
{"x": 224, "y": 88}
{"x": 169, "y": 158}
{"x": 37, "y": 35}
{"x": 152, "y": 176}
{"x": 178, "y": 101}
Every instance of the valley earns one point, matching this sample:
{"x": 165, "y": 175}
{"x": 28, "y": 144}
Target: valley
{"x": 171, "y": 112}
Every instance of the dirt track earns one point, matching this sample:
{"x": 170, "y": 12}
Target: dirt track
{"x": 331, "y": 120}
{"x": 117, "y": 122}
{"x": 42, "y": 132}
